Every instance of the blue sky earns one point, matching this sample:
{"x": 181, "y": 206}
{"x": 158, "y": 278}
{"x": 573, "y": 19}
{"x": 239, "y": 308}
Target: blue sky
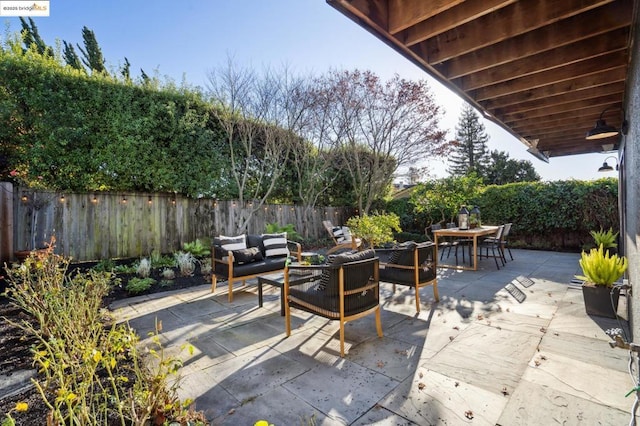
{"x": 186, "y": 39}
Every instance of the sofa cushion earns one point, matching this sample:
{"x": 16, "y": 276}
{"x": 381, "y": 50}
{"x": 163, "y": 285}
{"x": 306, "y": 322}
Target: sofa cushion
{"x": 339, "y": 259}
{"x": 231, "y": 243}
{"x": 254, "y": 240}
{"x": 247, "y": 255}
{"x": 338, "y": 233}
{"x": 268, "y": 264}
{"x": 403, "y": 253}
{"x": 275, "y": 244}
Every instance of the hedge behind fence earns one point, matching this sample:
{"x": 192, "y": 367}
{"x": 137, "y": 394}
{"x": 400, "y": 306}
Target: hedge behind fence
{"x": 545, "y": 215}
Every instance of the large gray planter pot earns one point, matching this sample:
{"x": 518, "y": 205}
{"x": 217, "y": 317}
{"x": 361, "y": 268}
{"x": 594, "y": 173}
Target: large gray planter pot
{"x": 601, "y": 301}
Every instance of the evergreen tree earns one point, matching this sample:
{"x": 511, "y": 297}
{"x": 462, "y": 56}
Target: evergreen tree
{"x": 92, "y": 54}
{"x": 125, "y": 71}
{"x": 31, "y": 36}
{"x": 501, "y": 170}
{"x": 71, "y": 57}
{"x": 469, "y": 152}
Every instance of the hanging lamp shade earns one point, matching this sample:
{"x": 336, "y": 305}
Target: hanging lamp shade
{"x": 602, "y": 130}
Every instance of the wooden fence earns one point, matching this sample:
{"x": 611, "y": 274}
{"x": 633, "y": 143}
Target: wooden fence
{"x": 6, "y": 222}
{"x": 93, "y": 226}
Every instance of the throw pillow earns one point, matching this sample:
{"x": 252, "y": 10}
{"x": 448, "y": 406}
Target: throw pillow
{"x": 326, "y": 274}
{"x": 232, "y": 243}
{"x": 338, "y": 233}
{"x": 247, "y": 255}
{"x": 275, "y": 244}
{"x": 340, "y": 259}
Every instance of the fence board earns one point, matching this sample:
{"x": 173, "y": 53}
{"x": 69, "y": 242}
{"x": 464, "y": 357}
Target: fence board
{"x": 6, "y": 219}
{"x": 90, "y": 226}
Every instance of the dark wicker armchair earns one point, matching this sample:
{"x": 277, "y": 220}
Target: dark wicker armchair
{"x": 345, "y": 289}
{"x": 410, "y": 264}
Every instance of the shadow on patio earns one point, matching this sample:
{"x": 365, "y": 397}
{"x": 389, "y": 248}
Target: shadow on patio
{"x": 512, "y": 346}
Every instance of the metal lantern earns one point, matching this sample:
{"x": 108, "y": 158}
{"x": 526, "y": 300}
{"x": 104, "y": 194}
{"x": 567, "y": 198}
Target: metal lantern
{"x": 474, "y": 217}
{"x": 463, "y": 218}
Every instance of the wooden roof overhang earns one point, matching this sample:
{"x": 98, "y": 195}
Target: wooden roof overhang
{"x": 544, "y": 70}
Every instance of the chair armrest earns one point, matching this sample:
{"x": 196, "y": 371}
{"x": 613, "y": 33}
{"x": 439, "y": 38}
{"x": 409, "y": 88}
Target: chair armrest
{"x": 215, "y": 251}
{"x": 295, "y": 249}
{"x": 396, "y": 266}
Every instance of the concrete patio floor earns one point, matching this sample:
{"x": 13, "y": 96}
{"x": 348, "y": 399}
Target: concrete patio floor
{"x": 495, "y": 350}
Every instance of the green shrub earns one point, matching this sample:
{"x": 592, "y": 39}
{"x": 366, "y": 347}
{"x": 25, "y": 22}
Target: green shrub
{"x": 375, "y": 229}
{"x": 196, "y": 248}
{"x": 125, "y": 269}
{"x": 274, "y": 228}
{"x": 105, "y": 265}
{"x": 90, "y": 370}
{"x": 160, "y": 261}
{"x": 607, "y": 239}
{"x": 138, "y": 285}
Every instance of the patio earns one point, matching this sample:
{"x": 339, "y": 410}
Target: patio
{"x": 497, "y": 349}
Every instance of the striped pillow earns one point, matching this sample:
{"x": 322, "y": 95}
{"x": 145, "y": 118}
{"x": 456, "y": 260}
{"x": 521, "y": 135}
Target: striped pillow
{"x": 338, "y": 233}
{"x": 275, "y": 244}
{"x": 233, "y": 243}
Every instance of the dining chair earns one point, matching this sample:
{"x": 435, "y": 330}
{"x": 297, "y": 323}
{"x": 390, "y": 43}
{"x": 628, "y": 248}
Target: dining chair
{"x": 504, "y": 243}
{"x": 505, "y": 240}
{"x": 462, "y": 243}
{"x": 495, "y": 244}
{"x": 444, "y": 243}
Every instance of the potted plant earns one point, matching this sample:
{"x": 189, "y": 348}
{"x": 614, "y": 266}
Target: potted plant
{"x": 600, "y": 270}
{"x": 376, "y": 229}
{"x": 607, "y": 239}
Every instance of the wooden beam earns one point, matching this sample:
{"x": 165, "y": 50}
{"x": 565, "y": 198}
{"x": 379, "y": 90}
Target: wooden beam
{"x": 566, "y": 99}
{"x": 405, "y": 13}
{"x": 553, "y": 119}
{"x": 450, "y": 18}
{"x": 575, "y": 128}
{"x": 364, "y": 12}
{"x": 575, "y": 149}
{"x": 610, "y": 61}
{"x": 611, "y": 17}
{"x": 592, "y": 82}
{"x": 589, "y": 48}
{"x": 506, "y": 116}
{"x": 508, "y": 22}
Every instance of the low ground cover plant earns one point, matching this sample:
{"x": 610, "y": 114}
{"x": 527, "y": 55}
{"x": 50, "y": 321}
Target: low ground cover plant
{"x": 197, "y": 248}
{"x": 91, "y": 371}
{"x": 138, "y": 285}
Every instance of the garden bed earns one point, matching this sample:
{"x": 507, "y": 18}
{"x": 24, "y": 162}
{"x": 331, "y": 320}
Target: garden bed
{"x": 16, "y": 347}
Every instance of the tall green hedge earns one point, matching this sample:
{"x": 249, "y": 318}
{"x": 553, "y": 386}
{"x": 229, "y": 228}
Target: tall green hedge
{"x": 546, "y": 215}
{"x": 65, "y": 130}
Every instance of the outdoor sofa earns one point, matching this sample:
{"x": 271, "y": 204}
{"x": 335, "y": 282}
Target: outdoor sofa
{"x": 242, "y": 257}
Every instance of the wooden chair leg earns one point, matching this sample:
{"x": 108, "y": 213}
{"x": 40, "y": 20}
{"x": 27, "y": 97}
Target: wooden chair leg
{"x": 417, "y": 288}
{"x": 435, "y": 291}
{"x": 378, "y": 322}
{"x": 230, "y": 290}
{"x": 214, "y": 282}
{"x": 287, "y": 317}
{"x": 342, "y": 338}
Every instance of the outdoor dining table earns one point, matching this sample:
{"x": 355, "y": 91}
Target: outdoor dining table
{"x": 464, "y": 233}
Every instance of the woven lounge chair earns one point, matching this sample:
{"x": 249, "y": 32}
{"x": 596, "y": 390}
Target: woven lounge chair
{"x": 345, "y": 289}
{"x": 342, "y": 238}
{"x": 412, "y": 265}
